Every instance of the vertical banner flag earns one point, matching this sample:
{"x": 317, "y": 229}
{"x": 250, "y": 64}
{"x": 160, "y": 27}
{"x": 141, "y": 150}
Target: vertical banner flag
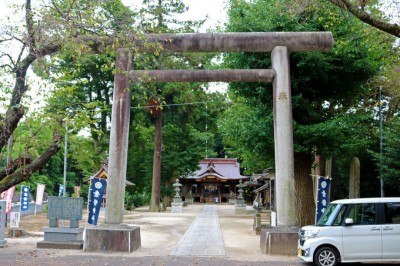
{"x": 8, "y": 195}
{"x": 39, "y": 194}
{"x": 96, "y": 191}
{"x": 25, "y": 197}
{"x": 322, "y": 195}
{"x": 60, "y": 190}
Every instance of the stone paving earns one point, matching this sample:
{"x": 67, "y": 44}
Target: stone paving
{"x": 204, "y": 236}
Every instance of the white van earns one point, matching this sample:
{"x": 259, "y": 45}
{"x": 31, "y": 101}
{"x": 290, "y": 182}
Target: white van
{"x": 353, "y": 230}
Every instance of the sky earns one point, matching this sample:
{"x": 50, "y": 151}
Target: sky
{"x": 198, "y": 10}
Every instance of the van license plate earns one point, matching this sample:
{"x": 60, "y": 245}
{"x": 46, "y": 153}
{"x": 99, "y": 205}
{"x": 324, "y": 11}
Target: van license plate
{"x": 300, "y": 252}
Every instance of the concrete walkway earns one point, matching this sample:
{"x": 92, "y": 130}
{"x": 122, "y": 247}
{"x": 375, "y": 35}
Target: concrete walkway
{"x": 204, "y": 236}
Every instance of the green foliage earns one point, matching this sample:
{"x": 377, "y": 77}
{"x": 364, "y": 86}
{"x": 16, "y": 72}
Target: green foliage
{"x": 136, "y": 200}
{"x": 388, "y": 162}
{"x": 326, "y": 87}
{"x": 249, "y": 135}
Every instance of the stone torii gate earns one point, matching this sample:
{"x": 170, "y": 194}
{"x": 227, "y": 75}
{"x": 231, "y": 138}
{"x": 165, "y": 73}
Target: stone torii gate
{"x": 278, "y": 43}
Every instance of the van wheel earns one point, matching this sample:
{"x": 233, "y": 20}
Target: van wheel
{"x": 325, "y": 256}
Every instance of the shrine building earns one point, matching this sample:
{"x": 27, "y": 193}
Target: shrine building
{"x": 215, "y": 181}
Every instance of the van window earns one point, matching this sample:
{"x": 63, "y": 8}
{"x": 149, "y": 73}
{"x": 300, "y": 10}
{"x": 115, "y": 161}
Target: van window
{"x": 329, "y": 215}
{"x": 340, "y": 216}
{"x": 392, "y": 212}
{"x": 364, "y": 213}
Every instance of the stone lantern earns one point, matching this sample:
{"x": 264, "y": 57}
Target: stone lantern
{"x": 177, "y": 204}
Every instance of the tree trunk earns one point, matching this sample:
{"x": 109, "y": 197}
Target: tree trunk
{"x": 305, "y": 205}
{"x": 155, "y": 190}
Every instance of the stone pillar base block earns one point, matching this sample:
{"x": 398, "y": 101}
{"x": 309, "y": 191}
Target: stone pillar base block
{"x": 60, "y": 245}
{"x": 112, "y": 238}
{"x": 176, "y": 207}
{"x": 279, "y": 240}
{"x": 63, "y": 234}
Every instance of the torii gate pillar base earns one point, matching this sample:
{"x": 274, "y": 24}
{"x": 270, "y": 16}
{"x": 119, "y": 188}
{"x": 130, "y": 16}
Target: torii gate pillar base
{"x": 112, "y": 238}
{"x": 279, "y": 240}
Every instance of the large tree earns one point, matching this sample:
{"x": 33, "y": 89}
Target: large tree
{"x": 324, "y": 85}
{"x": 48, "y": 29}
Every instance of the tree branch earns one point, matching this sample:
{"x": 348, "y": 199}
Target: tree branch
{"x": 361, "y": 14}
{"x": 25, "y": 172}
{"x": 14, "y": 165}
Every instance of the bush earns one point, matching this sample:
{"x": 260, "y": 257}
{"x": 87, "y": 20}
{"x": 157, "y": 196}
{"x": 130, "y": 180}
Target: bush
{"x": 136, "y": 200}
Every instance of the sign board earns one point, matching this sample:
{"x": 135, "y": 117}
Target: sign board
{"x": 15, "y": 218}
{"x": 65, "y": 208}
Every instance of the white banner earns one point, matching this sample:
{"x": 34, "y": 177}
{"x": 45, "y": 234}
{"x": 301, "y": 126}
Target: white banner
{"x": 39, "y": 194}
{"x": 14, "y": 219}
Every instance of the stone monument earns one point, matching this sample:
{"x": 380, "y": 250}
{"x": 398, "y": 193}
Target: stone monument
{"x": 63, "y": 208}
{"x": 3, "y": 204}
{"x": 177, "y": 204}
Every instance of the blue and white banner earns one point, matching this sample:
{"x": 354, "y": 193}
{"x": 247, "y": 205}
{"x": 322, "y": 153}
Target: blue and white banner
{"x": 322, "y": 196}
{"x": 96, "y": 191}
{"x": 25, "y": 197}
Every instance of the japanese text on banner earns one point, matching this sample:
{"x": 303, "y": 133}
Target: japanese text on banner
{"x": 25, "y": 197}
{"x": 97, "y": 187}
{"x": 322, "y": 196}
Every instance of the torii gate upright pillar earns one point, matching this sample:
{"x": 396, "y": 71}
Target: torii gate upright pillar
{"x": 283, "y": 138}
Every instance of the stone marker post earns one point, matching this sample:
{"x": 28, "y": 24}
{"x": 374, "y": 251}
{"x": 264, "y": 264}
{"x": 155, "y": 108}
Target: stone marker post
{"x": 354, "y": 180}
{"x": 3, "y": 204}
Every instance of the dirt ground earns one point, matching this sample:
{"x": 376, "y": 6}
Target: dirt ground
{"x": 160, "y": 232}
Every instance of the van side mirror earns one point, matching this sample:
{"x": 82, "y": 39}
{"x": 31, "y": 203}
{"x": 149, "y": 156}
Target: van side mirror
{"x": 348, "y": 221}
